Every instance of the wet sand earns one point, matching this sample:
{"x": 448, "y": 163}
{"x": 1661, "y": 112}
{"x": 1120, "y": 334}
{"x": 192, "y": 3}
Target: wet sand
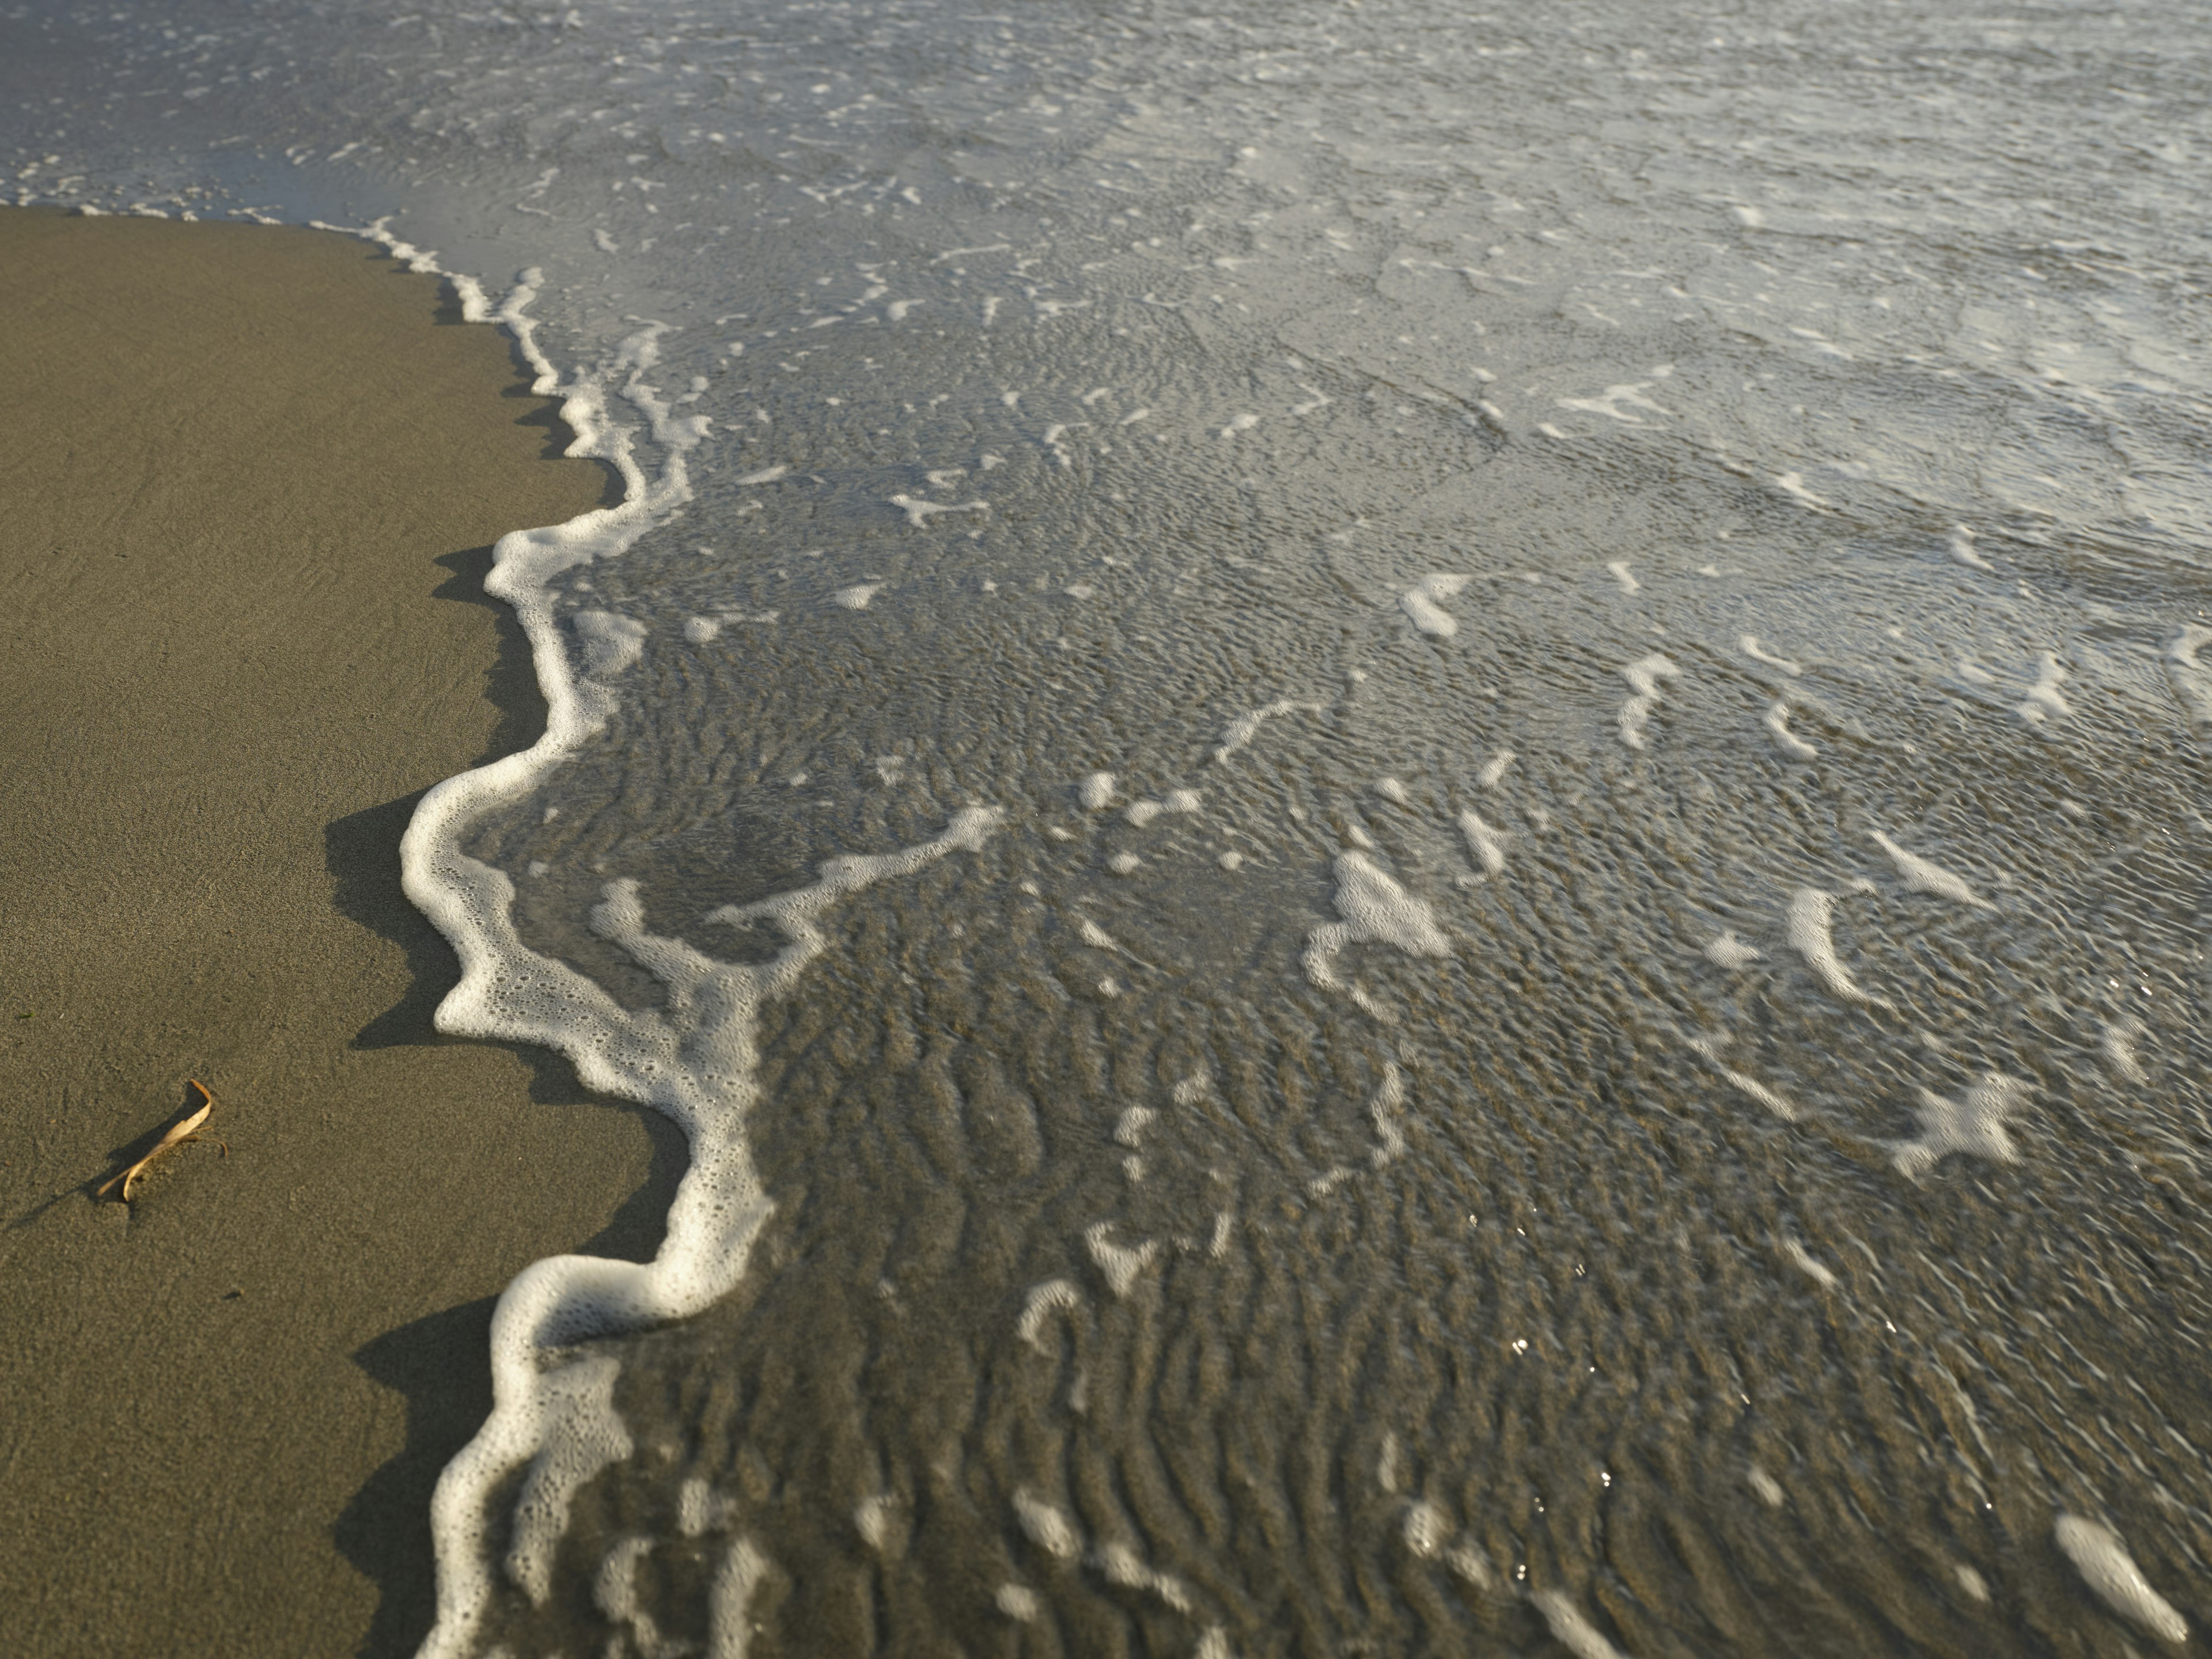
{"x": 256, "y": 473}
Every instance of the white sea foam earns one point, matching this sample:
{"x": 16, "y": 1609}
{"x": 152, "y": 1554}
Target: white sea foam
{"x": 1375, "y": 911}
{"x": 1812, "y": 921}
{"x": 1142, "y": 812}
{"x": 700, "y": 630}
{"x": 1425, "y": 1528}
{"x": 1778, "y": 725}
{"x": 1975, "y": 1125}
{"x": 1625, "y": 576}
{"x": 1120, "y": 1264}
{"x": 610, "y": 643}
{"x": 1391, "y": 789}
{"x": 1043, "y": 1300}
{"x": 1644, "y": 676}
{"x": 1240, "y": 732}
{"x": 1749, "y": 645}
{"x": 1047, "y": 1525}
{"x": 856, "y": 597}
{"x": 553, "y": 1418}
{"x": 1388, "y": 1109}
{"x": 1487, "y": 845}
{"x": 2103, "y": 1561}
{"x": 1804, "y": 1262}
{"x": 2119, "y": 1039}
{"x": 1423, "y": 602}
{"x": 1096, "y": 792}
{"x": 1962, "y": 549}
{"x": 1493, "y": 770}
{"x": 1730, "y": 951}
{"x": 1922, "y": 877}
{"x": 1571, "y": 1630}
{"x": 729, "y": 1603}
{"x": 2192, "y": 683}
{"x": 919, "y": 511}
{"x": 2043, "y": 700}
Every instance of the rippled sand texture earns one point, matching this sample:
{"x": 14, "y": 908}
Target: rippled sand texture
{"x": 1582, "y": 1026}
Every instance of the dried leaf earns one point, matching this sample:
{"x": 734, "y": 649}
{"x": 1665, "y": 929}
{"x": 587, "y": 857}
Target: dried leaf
{"x": 178, "y": 1135}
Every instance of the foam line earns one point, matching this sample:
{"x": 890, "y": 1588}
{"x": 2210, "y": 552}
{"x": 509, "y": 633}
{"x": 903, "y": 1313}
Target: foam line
{"x": 553, "y": 1417}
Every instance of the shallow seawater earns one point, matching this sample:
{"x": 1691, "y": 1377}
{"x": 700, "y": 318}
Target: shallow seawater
{"x": 1518, "y": 694}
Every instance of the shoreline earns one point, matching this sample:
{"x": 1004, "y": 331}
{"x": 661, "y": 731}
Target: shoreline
{"x": 246, "y": 628}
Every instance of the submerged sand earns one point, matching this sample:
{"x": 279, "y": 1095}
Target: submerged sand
{"x": 255, "y": 474}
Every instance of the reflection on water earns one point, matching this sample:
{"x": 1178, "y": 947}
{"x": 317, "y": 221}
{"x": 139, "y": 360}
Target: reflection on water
{"x": 1582, "y": 1026}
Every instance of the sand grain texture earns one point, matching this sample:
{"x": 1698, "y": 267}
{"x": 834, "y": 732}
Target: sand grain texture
{"x": 254, "y": 475}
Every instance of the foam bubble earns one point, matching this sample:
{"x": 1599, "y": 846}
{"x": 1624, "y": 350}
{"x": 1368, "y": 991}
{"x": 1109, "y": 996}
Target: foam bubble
{"x": 1375, "y": 911}
{"x": 1142, "y": 812}
{"x": 1422, "y": 603}
{"x": 2105, "y": 1566}
{"x": 700, "y": 630}
{"x": 1644, "y": 677}
{"x": 1019, "y": 1603}
{"x": 856, "y": 597}
{"x": 1096, "y": 791}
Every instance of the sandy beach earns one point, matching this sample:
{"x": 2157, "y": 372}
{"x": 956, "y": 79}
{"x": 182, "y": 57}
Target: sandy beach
{"x": 257, "y": 471}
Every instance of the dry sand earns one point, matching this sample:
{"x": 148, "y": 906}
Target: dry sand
{"x": 254, "y": 475}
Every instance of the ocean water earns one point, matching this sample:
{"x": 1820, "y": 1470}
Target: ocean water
{"x": 1410, "y": 803}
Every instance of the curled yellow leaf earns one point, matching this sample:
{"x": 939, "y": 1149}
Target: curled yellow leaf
{"x": 178, "y": 1135}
